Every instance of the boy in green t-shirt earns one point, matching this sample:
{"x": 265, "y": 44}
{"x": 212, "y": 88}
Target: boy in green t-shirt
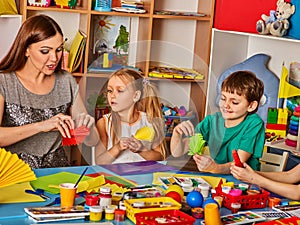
{"x": 236, "y": 126}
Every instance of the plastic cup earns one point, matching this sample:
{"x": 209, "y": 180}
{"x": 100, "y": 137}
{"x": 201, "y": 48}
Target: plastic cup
{"x": 212, "y": 214}
{"x": 67, "y": 195}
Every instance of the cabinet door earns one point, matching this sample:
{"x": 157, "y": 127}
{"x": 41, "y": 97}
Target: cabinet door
{"x": 10, "y": 24}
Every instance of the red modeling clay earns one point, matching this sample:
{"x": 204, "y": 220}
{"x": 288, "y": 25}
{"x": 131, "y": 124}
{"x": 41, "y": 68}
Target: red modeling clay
{"x": 236, "y": 158}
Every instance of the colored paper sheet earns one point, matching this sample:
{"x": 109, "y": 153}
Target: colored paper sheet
{"x": 16, "y": 194}
{"x": 133, "y": 168}
{"x": 117, "y": 180}
{"x": 51, "y": 182}
{"x": 213, "y": 181}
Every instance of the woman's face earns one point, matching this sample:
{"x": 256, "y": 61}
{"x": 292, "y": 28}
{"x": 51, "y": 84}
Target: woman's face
{"x": 44, "y": 56}
{"x": 120, "y": 95}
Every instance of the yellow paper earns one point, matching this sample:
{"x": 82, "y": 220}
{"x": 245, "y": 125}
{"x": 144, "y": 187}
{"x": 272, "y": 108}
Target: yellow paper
{"x": 213, "y": 181}
{"x": 16, "y": 194}
{"x": 286, "y": 90}
{"x": 13, "y": 170}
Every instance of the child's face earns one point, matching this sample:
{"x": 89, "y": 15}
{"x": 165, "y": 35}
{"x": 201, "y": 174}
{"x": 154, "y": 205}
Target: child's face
{"x": 234, "y": 107}
{"x": 120, "y": 95}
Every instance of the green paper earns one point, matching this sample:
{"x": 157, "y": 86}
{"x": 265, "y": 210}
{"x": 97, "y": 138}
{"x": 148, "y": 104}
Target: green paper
{"x": 197, "y": 144}
{"x": 56, "y": 179}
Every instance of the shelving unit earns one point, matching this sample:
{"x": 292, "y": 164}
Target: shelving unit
{"x": 231, "y": 47}
{"x": 155, "y": 40}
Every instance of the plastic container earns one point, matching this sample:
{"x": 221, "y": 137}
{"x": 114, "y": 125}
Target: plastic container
{"x": 103, "y": 5}
{"x": 166, "y": 217}
{"x": 151, "y": 205}
{"x": 109, "y": 213}
{"x": 105, "y": 197}
{"x": 247, "y": 201}
{"x": 95, "y": 213}
{"x": 120, "y": 215}
{"x": 235, "y": 207}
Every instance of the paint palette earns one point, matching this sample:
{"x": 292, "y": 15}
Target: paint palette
{"x": 246, "y": 217}
{"x": 182, "y": 181}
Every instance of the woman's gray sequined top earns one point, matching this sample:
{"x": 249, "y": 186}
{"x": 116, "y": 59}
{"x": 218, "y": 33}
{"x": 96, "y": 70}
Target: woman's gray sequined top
{"x": 22, "y": 107}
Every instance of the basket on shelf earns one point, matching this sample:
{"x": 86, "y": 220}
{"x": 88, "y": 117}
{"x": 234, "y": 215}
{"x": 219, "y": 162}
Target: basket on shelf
{"x": 167, "y": 217}
{"x": 103, "y": 5}
{"x": 150, "y": 205}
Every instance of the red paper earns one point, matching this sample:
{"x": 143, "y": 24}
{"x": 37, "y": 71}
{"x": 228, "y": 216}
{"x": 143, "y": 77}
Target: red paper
{"x": 77, "y": 136}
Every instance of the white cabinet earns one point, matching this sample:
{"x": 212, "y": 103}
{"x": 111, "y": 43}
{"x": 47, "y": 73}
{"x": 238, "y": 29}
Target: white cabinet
{"x": 229, "y": 48}
{"x": 10, "y": 24}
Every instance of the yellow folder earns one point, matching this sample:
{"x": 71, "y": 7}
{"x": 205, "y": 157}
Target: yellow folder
{"x": 76, "y": 51}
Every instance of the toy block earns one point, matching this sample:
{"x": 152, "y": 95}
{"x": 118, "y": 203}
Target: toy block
{"x": 281, "y": 133}
{"x": 272, "y": 115}
{"x": 282, "y": 116}
{"x": 276, "y": 126}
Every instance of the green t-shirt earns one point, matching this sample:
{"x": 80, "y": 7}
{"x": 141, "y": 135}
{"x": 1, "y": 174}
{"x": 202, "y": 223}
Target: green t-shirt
{"x": 248, "y": 136}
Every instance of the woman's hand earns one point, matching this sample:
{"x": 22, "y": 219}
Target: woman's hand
{"x": 185, "y": 127}
{"x": 244, "y": 174}
{"x": 62, "y": 123}
{"x": 205, "y": 163}
{"x": 84, "y": 119}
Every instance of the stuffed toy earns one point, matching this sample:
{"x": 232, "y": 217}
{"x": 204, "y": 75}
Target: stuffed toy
{"x": 277, "y": 22}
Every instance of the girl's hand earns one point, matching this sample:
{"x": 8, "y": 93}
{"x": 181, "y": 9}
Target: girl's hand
{"x": 135, "y": 145}
{"x": 123, "y": 144}
{"x": 185, "y": 127}
{"x": 84, "y": 119}
{"x": 205, "y": 163}
{"x": 62, "y": 123}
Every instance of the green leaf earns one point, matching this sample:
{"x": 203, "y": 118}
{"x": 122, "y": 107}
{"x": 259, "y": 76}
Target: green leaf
{"x": 196, "y": 145}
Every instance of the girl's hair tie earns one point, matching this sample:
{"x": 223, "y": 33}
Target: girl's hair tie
{"x": 146, "y": 81}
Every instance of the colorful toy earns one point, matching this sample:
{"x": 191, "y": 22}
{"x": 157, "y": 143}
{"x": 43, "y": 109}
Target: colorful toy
{"x": 67, "y": 4}
{"x": 276, "y": 24}
{"x": 175, "y": 195}
{"x": 39, "y": 3}
{"x": 176, "y": 188}
{"x": 194, "y": 199}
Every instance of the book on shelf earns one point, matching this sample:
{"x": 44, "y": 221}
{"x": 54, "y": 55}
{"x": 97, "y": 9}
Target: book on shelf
{"x": 76, "y": 51}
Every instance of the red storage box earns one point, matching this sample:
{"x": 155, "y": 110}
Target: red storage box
{"x": 170, "y": 217}
{"x": 241, "y": 15}
{"x": 254, "y": 201}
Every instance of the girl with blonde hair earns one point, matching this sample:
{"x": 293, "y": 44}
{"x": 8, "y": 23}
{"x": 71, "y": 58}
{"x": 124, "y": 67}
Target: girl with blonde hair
{"x": 134, "y": 104}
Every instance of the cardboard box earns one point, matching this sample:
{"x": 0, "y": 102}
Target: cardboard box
{"x": 241, "y": 15}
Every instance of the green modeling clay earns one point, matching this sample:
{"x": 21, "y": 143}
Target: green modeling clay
{"x": 196, "y": 145}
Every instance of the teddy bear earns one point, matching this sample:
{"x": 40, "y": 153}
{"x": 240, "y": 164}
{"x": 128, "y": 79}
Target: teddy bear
{"x": 277, "y": 22}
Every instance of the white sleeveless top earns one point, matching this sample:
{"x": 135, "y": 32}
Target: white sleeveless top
{"x": 128, "y": 130}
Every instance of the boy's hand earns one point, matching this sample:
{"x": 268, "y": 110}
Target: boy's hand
{"x": 185, "y": 127}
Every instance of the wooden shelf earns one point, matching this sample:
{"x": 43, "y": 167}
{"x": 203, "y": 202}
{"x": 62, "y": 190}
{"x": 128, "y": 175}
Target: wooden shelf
{"x": 157, "y": 40}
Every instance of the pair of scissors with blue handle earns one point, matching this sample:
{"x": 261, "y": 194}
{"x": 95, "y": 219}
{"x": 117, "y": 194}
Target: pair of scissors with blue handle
{"x": 38, "y": 192}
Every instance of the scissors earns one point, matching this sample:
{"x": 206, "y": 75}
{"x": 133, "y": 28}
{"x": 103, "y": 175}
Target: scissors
{"x": 38, "y": 192}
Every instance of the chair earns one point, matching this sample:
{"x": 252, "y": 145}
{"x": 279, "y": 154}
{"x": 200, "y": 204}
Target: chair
{"x": 271, "y": 162}
{"x": 93, "y": 159}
